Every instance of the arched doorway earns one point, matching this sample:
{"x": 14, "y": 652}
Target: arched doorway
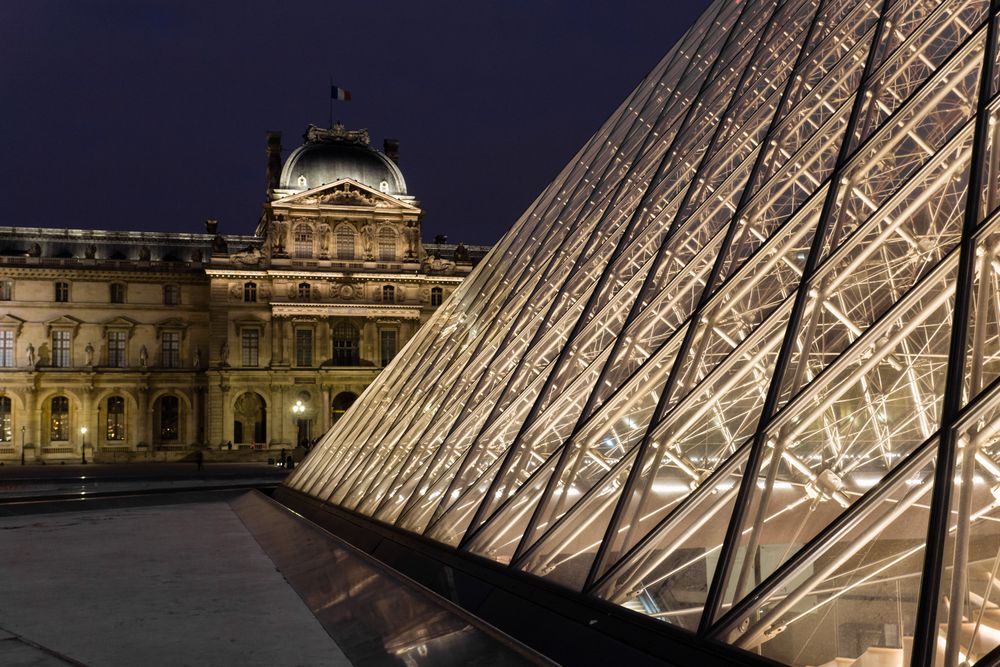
{"x": 340, "y": 403}
{"x": 250, "y": 418}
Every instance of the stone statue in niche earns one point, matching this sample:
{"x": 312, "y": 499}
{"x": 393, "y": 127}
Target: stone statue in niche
{"x": 143, "y": 356}
{"x": 197, "y": 357}
{"x": 88, "y": 355}
{"x": 412, "y": 235}
{"x": 324, "y": 239}
{"x": 144, "y": 253}
{"x": 278, "y": 231}
{"x": 91, "y": 251}
{"x": 30, "y": 353}
{"x": 35, "y": 250}
{"x": 368, "y": 242}
{"x": 224, "y": 353}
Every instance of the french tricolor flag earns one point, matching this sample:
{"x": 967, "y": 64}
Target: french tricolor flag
{"x": 340, "y": 94}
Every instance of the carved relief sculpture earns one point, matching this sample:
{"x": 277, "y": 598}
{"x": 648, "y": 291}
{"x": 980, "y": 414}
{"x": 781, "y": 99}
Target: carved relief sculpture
{"x": 368, "y": 242}
{"x": 412, "y": 235}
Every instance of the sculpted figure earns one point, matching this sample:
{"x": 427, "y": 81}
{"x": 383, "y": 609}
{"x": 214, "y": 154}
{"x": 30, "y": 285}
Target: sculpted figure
{"x": 412, "y": 235}
{"x": 144, "y": 253}
{"x": 197, "y": 357}
{"x": 367, "y": 241}
{"x": 324, "y": 239}
{"x": 31, "y": 355}
{"x": 278, "y": 237}
{"x": 143, "y": 356}
{"x": 91, "y": 251}
{"x": 196, "y": 255}
{"x": 89, "y": 355}
{"x": 35, "y": 250}
{"x": 224, "y": 353}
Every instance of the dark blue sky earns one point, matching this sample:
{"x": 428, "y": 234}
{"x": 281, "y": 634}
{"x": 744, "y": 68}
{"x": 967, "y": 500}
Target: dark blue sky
{"x": 151, "y": 114}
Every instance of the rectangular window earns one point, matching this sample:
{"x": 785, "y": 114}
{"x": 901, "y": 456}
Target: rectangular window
{"x": 303, "y": 347}
{"x": 62, "y": 292}
{"x": 6, "y": 349}
{"x": 116, "y": 349}
{"x": 6, "y": 290}
{"x": 170, "y": 349}
{"x": 437, "y": 296}
{"x": 251, "y": 347}
{"x": 60, "y": 348}
{"x": 117, "y": 293}
{"x": 171, "y": 295}
{"x": 387, "y": 345}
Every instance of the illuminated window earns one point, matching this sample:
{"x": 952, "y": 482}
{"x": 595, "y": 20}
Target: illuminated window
{"x": 386, "y": 244}
{"x": 61, "y": 348}
{"x": 169, "y": 416}
{"x": 387, "y": 345}
{"x": 115, "y": 424}
{"x": 59, "y": 423}
{"x": 170, "y": 349}
{"x": 303, "y": 347}
{"x": 388, "y": 294}
{"x": 116, "y": 349}
{"x": 6, "y": 425}
{"x": 117, "y": 292}
{"x": 251, "y": 347}
{"x": 250, "y": 292}
{"x": 6, "y": 349}
{"x": 345, "y": 242}
{"x": 171, "y": 295}
{"x": 346, "y": 340}
{"x": 62, "y": 292}
{"x": 437, "y": 296}
{"x": 303, "y": 241}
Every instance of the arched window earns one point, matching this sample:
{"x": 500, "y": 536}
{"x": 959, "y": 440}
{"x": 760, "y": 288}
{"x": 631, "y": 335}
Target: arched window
{"x": 346, "y": 339}
{"x": 341, "y": 402}
{"x": 115, "y": 426}
{"x": 170, "y": 418}
{"x": 62, "y": 292}
{"x": 345, "y": 242}
{"x": 388, "y": 294}
{"x": 59, "y": 423}
{"x": 437, "y": 296}
{"x": 303, "y": 241}
{"x": 6, "y": 424}
{"x": 387, "y": 244}
{"x": 250, "y": 292}
{"x": 305, "y": 291}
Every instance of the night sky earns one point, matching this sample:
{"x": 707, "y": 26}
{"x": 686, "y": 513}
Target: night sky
{"x": 151, "y": 115}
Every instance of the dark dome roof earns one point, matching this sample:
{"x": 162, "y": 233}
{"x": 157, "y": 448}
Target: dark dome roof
{"x": 330, "y": 155}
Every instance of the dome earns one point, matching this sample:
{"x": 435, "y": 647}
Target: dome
{"x": 330, "y": 155}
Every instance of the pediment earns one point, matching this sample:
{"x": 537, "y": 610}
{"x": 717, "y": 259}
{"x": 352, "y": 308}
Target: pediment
{"x": 121, "y": 322}
{"x": 8, "y": 321}
{"x": 172, "y": 323}
{"x": 63, "y": 322}
{"x": 343, "y": 192}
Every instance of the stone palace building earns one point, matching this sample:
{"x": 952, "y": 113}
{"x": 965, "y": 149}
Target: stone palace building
{"x": 119, "y": 345}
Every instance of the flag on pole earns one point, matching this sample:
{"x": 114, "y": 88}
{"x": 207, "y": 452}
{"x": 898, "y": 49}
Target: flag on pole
{"x": 340, "y": 94}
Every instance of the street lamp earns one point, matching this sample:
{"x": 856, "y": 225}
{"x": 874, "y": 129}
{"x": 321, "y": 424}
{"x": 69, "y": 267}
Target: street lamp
{"x": 297, "y": 410}
{"x": 83, "y": 446}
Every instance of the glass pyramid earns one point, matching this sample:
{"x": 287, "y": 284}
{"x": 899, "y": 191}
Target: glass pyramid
{"x": 737, "y": 367}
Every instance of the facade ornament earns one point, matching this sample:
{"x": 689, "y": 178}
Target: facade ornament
{"x": 34, "y": 250}
{"x": 263, "y": 292}
{"x": 249, "y": 256}
{"x": 235, "y": 292}
{"x": 30, "y": 353}
{"x": 88, "y": 354}
{"x": 224, "y": 353}
{"x": 219, "y": 245}
{"x": 197, "y": 358}
{"x": 143, "y": 357}
{"x": 436, "y": 265}
{"x": 144, "y": 253}
{"x": 368, "y": 241}
{"x": 278, "y": 231}
{"x": 412, "y": 235}
{"x": 461, "y": 253}
{"x": 324, "y": 239}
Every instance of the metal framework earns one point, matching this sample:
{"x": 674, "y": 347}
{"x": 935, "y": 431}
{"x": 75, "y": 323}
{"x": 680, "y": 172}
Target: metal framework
{"x": 738, "y": 367}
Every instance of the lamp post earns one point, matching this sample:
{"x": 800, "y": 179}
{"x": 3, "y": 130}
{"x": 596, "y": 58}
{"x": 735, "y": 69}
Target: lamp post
{"x": 83, "y": 445}
{"x": 298, "y": 409}
{"x": 22, "y": 445}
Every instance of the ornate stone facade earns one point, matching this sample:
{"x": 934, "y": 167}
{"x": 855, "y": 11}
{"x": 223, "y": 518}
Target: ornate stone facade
{"x": 131, "y": 342}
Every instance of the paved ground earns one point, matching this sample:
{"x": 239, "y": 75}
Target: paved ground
{"x": 171, "y": 584}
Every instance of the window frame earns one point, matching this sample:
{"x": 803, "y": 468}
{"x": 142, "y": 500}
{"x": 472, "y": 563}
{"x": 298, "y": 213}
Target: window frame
{"x": 250, "y": 354}
{"x": 61, "y": 292}
{"x": 117, "y": 293}
{"x": 304, "y": 356}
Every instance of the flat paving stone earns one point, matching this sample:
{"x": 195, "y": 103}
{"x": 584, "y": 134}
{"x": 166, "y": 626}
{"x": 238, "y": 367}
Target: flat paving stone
{"x": 160, "y": 585}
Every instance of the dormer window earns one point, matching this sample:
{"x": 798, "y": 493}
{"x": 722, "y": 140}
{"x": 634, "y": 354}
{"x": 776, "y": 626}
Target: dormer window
{"x": 302, "y": 182}
{"x": 383, "y": 186}
{"x": 437, "y": 296}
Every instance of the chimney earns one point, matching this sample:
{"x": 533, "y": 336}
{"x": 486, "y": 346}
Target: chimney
{"x": 391, "y": 149}
{"x": 273, "y": 160}
{"x": 211, "y": 226}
